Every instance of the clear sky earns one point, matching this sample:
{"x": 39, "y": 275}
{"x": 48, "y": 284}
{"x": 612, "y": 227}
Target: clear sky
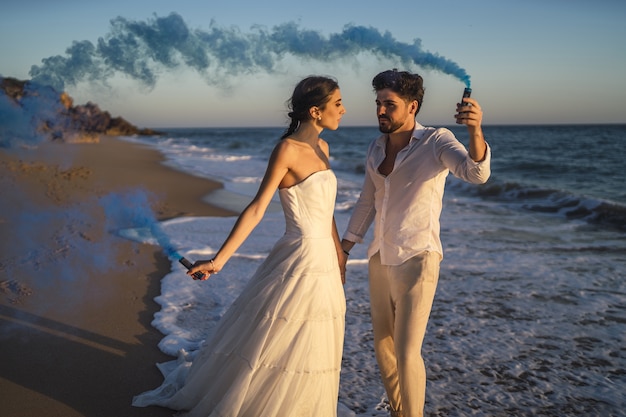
{"x": 530, "y": 62}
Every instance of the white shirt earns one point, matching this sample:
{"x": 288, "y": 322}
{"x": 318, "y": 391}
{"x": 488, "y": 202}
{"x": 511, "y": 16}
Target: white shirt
{"x": 406, "y": 204}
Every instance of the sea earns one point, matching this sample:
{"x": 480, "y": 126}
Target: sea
{"x": 529, "y": 318}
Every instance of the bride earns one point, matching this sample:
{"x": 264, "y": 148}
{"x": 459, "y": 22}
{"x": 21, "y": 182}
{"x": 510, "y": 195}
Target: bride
{"x": 277, "y": 350}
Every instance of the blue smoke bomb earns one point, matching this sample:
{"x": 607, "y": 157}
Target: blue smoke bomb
{"x": 187, "y": 264}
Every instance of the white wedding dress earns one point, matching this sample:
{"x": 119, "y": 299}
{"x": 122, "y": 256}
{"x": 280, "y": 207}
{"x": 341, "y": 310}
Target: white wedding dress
{"x": 277, "y": 351}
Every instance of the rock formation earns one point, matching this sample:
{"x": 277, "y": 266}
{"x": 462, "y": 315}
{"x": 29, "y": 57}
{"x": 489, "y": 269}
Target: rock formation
{"x": 54, "y": 115}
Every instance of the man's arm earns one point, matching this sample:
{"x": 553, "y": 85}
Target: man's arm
{"x": 347, "y": 246}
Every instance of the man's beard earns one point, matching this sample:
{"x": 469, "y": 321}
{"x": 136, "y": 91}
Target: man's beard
{"x": 390, "y": 127}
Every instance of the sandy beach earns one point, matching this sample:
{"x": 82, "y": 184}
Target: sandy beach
{"x": 75, "y": 337}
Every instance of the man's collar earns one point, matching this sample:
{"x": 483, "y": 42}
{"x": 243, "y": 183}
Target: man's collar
{"x": 418, "y": 133}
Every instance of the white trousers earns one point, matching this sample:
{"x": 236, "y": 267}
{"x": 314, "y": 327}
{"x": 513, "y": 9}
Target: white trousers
{"x": 401, "y": 298}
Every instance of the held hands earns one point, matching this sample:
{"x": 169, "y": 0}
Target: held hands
{"x": 469, "y": 113}
{"x": 205, "y": 267}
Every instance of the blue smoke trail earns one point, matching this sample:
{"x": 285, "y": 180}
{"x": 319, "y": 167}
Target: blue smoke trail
{"x": 142, "y": 49}
{"x": 132, "y": 210}
{"x": 45, "y": 237}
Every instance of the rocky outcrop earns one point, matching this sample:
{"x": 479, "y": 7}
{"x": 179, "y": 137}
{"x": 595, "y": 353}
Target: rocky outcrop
{"x": 54, "y": 115}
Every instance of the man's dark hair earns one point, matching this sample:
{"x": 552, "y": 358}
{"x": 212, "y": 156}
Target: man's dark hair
{"x": 408, "y": 86}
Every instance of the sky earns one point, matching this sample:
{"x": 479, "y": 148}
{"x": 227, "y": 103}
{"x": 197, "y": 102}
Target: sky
{"x": 529, "y": 62}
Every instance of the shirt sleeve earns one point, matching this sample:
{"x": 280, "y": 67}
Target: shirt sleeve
{"x": 363, "y": 213}
{"x": 454, "y": 156}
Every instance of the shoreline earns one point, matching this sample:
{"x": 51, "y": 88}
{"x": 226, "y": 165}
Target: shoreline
{"x": 75, "y": 332}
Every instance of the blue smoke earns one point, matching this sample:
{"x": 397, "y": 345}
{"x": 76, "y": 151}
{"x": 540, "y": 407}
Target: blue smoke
{"x": 19, "y": 123}
{"x": 141, "y": 50}
{"x": 67, "y": 242}
{"x": 132, "y": 210}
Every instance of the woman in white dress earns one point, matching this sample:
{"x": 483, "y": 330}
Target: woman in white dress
{"x": 277, "y": 351}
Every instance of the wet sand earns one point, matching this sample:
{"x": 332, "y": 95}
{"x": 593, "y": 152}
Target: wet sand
{"x": 76, "y": 301}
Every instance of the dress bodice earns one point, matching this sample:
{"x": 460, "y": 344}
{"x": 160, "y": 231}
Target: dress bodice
{"x": 309, "y": 205}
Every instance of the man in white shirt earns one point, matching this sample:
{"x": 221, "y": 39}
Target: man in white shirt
{"x": 406, "y": 170}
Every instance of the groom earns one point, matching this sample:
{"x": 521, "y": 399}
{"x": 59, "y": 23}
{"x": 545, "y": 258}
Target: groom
{"x": 406, "y": 170}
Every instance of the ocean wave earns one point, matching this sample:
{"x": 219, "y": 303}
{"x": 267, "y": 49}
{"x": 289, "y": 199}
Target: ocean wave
{"x": 550, "y": 201}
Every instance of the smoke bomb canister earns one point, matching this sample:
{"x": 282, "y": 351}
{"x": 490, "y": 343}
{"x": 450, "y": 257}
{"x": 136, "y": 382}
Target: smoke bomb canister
{"x": 188, "y": 265}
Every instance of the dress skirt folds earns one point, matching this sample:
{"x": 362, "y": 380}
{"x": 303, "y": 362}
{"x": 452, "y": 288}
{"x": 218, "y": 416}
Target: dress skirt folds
{"x": 277, "y": 350}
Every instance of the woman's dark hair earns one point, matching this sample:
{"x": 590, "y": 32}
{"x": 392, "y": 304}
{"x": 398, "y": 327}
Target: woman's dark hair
{"x": 408, "y": 86}
{"x": 314, "y": 91}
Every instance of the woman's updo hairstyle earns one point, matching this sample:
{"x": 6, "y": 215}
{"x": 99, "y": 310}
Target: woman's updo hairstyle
{"x": 314, "y": 91}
